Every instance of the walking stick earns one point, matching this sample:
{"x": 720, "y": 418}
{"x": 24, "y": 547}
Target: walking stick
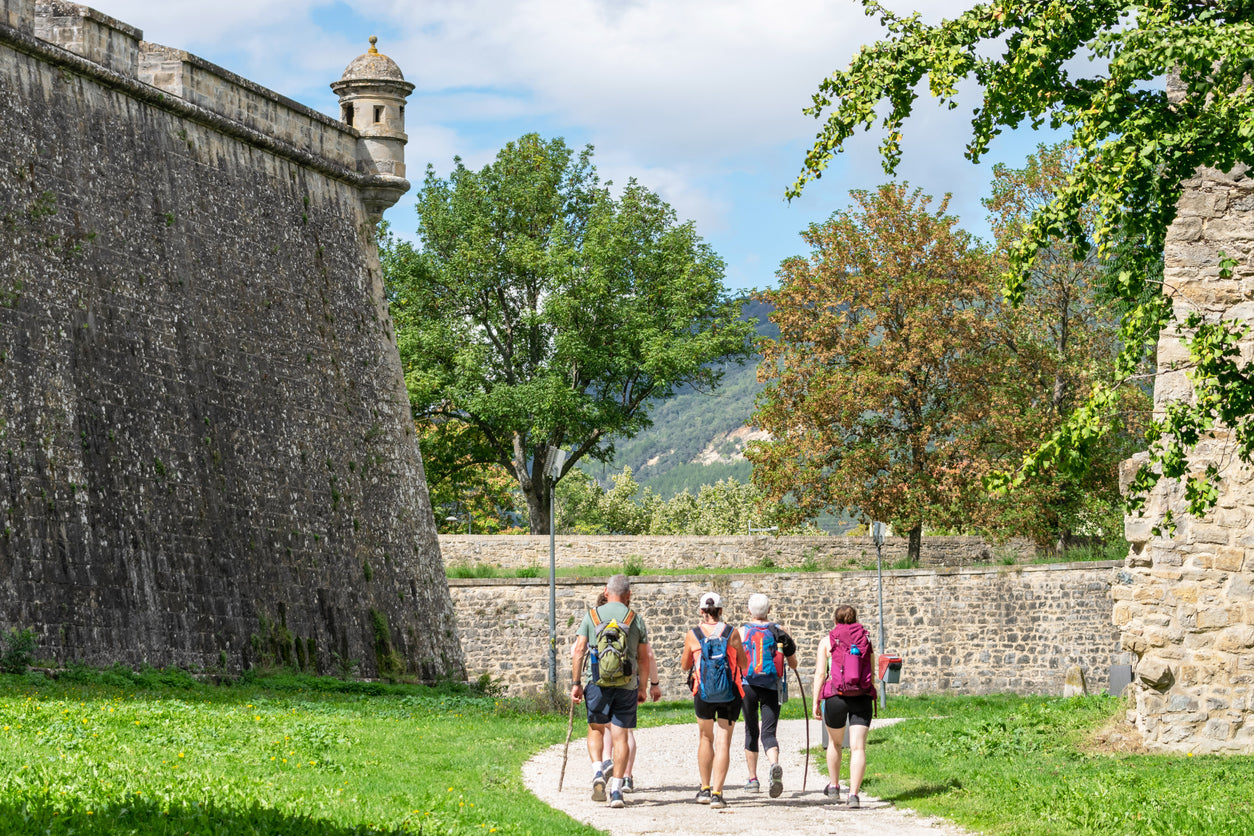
{"x": 806, "y": 711}
{"x": 570, "y": 725}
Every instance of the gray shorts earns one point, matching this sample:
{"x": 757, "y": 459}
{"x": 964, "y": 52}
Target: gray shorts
{"x": 611, "y": 705}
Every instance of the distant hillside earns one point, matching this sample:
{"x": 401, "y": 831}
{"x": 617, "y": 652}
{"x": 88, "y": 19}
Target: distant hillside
{"x": 697, "y": 438}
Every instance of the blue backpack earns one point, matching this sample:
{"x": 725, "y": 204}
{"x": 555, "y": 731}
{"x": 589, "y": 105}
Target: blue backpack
{"x": 715, "y": 683}
{"x": 765, "y": 658}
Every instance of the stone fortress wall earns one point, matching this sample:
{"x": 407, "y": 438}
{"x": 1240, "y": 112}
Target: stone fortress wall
{"x": 522, "y": 551}
{"x": 973, "y": 630}
{"x": 206, "y": 453}
{"x": 1185, "y": 603}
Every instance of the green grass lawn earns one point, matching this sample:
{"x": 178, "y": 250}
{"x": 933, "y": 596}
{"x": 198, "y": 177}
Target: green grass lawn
{"x": 1013, "y": 765}
{"x": 114, "y": 752}
{"x": 160, "y": 754}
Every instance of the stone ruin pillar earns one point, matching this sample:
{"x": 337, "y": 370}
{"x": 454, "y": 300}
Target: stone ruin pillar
{"x": 1185, "y": 604}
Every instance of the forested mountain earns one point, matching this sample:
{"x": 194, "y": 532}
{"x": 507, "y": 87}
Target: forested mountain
{"x": 697, "y": 438}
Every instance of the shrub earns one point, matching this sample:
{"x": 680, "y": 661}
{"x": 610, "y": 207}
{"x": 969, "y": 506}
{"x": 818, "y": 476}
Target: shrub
{"x": 19, "y": 650}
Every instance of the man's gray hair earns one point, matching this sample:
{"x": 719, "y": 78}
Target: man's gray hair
{"x": 618, "y": 585}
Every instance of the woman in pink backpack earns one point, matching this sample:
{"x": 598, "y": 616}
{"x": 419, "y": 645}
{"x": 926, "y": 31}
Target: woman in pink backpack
{"x": 844, "y": 688}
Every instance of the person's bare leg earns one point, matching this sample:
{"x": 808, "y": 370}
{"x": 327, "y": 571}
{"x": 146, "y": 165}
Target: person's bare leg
{"x": 751, "y": 761}
{"x": 619, "y": 735}
{"x": 705, "y": 750}
{"x": 722, "y": 754}
{"x": 834, "y": 740}
{"x": 857, "y": 757}
{"x": 597, "y": 738}
{"x": 631, "y": 751}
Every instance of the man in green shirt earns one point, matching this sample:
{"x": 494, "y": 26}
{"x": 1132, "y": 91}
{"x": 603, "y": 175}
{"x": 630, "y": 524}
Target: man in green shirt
{"x": 613, "y": 706}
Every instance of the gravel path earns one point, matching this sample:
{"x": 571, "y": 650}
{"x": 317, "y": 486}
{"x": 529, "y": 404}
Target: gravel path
{"x": 666, "y": 782}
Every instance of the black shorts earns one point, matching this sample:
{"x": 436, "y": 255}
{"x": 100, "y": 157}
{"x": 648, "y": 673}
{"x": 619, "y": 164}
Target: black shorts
{"x": 611, "y": 705}
{"x": 729, "y": 711}
{"x": 856, "y": 711}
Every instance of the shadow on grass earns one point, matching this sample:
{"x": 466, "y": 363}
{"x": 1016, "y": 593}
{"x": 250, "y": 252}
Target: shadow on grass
{"x": 152, "y": 819}
{"x": 924, "y": 790}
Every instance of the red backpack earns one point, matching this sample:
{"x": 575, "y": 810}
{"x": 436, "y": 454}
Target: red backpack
{"x": 850, "y": 674}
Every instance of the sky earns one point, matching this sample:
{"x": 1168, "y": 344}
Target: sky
{"x": 699, "y": 100}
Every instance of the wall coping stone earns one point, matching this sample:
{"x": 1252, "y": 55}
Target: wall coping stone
{"x": 37, "y": 47}
{"x": 860, "y": 573}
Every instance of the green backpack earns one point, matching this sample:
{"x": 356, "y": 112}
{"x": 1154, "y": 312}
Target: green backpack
{"x": 611, "y": 666}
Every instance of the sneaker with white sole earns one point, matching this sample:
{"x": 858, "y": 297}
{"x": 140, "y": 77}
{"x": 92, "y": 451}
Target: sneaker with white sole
{"x": 777, "y": 780}
{"x": 832, "y": 791}
{"x": 616, "y": 799}
{"x": 703, "y": 795}
{"x": 853, "y": 802}
{"x": 629, "y": 785}
{"x": 752, "y": 785}
{"x": 716, "y": 801}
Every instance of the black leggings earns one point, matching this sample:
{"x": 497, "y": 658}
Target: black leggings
{"x": 766, "y": 699}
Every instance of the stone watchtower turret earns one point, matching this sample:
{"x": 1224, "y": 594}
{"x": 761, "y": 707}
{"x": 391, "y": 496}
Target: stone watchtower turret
{"x": 372, "y": 95}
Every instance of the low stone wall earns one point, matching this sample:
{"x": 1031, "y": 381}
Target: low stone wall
{"x": 834, "y": 552}
{"x": 966, "y": 631}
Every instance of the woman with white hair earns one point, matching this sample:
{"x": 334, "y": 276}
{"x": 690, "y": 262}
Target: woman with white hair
{"x": 769, "y": 648}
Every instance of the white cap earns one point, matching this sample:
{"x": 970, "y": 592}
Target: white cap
{"x": 710, "y": 600}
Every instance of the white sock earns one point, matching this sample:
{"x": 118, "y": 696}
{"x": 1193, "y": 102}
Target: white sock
{"x": 616, "y": 785}
{"x": 596, "y": 768}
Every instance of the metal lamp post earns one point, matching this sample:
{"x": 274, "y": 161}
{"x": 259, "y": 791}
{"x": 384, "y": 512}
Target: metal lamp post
{"x": 877, "y": 535}
{"x": 557, "y": 458}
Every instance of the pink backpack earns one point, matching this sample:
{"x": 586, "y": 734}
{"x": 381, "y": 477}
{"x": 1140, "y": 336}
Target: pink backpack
{"x": 850, "y": 674}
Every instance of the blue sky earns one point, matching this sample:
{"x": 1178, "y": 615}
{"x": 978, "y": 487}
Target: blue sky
{"x": 700, "y": 100}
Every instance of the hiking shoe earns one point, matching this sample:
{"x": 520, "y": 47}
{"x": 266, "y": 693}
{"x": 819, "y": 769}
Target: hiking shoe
{"x": 752, "y": 785}
{"x": 703, "y": 795}
{"x": 629, "y": 785}
{"x": 777, "y": 780}
{"x": 716, "y": 801}
{"x": 853, "y": 802}
{"x": 598, "y": 787}
{"x": 616, "y": 799}
{"x": 607, "y": 768}
{"x": 832, "y": 791}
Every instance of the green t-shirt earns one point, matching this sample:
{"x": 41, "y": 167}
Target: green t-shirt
{"x": 637, "y": 634}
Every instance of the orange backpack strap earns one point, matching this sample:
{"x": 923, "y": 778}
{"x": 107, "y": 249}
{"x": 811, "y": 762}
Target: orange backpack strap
{"x": 596, "y": 620}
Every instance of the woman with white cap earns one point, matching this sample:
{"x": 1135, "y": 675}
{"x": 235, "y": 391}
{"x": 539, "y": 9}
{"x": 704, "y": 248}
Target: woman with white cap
{"x": 715, "y": 660}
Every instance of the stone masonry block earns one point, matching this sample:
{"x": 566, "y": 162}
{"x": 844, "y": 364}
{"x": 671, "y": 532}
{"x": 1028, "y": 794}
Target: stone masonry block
{"x": 1210, "y": 619}
{"x": 1206, "y": 533}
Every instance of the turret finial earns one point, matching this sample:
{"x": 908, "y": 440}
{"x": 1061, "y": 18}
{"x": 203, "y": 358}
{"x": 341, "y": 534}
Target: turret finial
{"x": 373, "y": 49}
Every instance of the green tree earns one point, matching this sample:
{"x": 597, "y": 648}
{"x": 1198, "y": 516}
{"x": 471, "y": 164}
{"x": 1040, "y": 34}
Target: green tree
{"x": 726, "y": 507}
{"x": 1062, "y": 338}
{"x": 879, "y": 386}
{"x": 464, "y": 494}
{"x": 1135, "y": 147}
{"x": 541, "y": 312}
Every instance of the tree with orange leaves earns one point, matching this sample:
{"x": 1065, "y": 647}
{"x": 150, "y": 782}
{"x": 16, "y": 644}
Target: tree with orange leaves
{"x": 881, "y": 382}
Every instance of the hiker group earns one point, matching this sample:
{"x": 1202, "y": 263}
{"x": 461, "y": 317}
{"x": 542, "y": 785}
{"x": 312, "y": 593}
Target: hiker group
{"x": 729, "y": 671}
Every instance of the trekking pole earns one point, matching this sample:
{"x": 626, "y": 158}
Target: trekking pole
{"x": 570, "y": 725}
{"x": 805, "y": 711}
